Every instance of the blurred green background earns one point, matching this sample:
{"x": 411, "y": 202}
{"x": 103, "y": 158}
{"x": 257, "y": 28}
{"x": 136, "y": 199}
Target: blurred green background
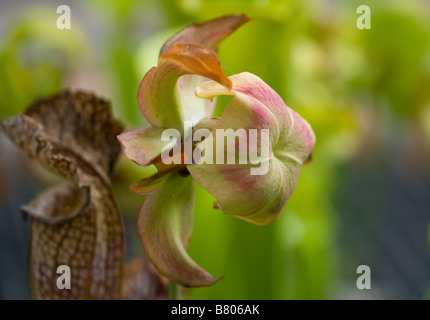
{"x": 364, "y": 198}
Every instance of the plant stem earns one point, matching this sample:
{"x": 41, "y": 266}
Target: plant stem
{"x": 174, "y": 291}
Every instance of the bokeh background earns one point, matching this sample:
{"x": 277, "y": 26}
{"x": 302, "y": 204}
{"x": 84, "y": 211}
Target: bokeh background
{"x": 364, "y": 198}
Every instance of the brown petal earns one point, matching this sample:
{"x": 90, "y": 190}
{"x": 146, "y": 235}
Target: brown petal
{"x": 195, "y": 59}
{"x": 79, "y": 224}
{"x": 207, "y": 34}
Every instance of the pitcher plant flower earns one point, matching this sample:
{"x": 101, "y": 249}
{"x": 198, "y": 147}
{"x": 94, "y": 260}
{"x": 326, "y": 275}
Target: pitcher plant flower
{"x": 184, "y": 87}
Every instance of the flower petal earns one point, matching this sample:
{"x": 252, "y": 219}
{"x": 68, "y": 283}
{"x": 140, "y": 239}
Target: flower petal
{"x": 295, "y": 135}
{"x": 166, "y": 94}
{"x": 255, "y": 198}
{"x": 165, "y": 226}
{"x": 142, "y": 146}
{"x": 207, "y": 34}
{"x": 158, "y": 95}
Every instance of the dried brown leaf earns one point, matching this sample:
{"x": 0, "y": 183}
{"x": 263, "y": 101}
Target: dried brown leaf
{"x": 77, "y": 224}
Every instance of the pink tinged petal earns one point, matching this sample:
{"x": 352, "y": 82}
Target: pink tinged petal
{"x": 207, "y": 34}
{"x": 158, "y": 95}
{"x": 145, "y": 147}
{"x": 256, "y": 198}
{"x": 253, "y": 87}
{"x": 165, "y": 226}
{"x": 297, "y": 145}
{"x": 142, "y": 146}
{"x": 295, "y": 135}
{"x": 296, "y": 138}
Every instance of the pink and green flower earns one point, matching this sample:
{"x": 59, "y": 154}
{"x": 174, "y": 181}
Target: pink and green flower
{"x": 184, "y": 87}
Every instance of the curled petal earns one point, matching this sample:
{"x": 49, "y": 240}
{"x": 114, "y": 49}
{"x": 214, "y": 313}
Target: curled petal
{"x": 258, "y": 198}
{"x": 158, "y": 95}
{"x": 207, "y": 34}
{"x": 165, "y": 226}
{"x": 294, "y": 134}
{"x": 166, "y": 93}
